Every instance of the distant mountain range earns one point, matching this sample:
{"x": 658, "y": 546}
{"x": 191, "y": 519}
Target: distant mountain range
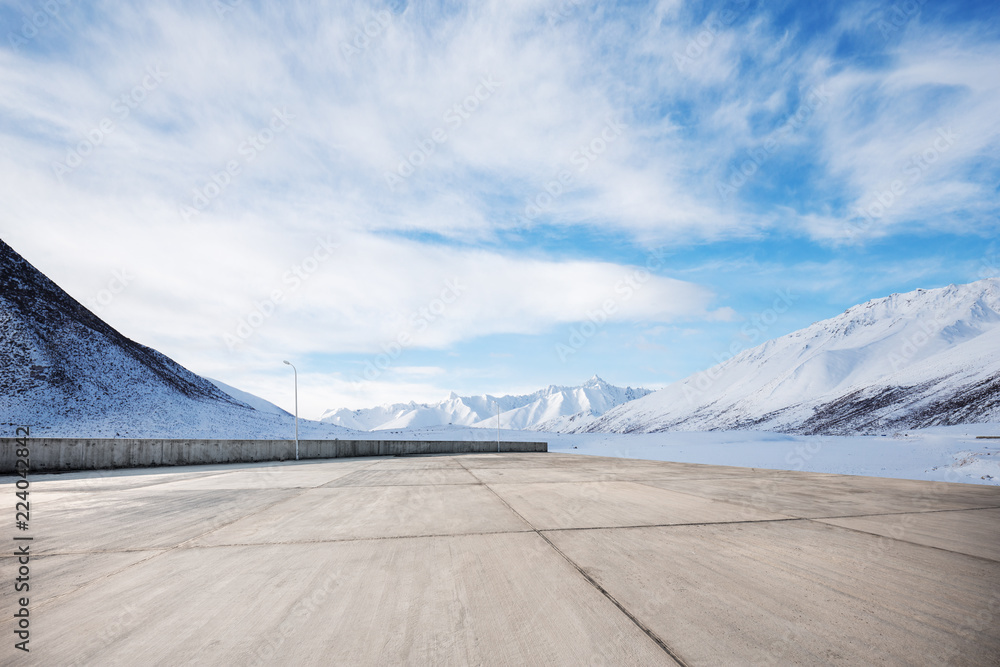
{"x": 550, "y": 409}
{"x": 906, "y": 361}
{"x": 924, "y": 358}
{"x": 66, "y": 372}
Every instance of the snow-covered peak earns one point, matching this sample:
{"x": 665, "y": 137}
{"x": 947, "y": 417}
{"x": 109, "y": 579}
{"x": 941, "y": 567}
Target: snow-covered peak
{"x": 549, "y": 406}
{"x": 897, "y": 360}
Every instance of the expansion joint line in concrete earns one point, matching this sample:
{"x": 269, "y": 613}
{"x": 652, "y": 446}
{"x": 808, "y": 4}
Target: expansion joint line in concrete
{"x": 639, "y": 624}
{"x": 302, "y": 491}
{"x": 694, "y": 524}
{"x": 180, "y": 545}
{"x": 809, "y": 518}
{"x": 908, "y": 512}
{"x": 342, "y": 540}
{"x": 835, "y": 526}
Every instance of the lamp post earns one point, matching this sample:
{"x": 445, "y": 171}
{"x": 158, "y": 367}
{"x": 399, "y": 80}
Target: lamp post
{"x": 296, "y": 372}
{"x": 498, "y": 427}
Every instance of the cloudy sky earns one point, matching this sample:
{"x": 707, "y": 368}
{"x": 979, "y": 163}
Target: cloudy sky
{"x": 408, "y": 199}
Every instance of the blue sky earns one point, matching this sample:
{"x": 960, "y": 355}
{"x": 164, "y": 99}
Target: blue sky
{"x": 408, "y": 199}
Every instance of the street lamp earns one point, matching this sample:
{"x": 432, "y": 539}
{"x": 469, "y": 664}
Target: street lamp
{"x": 498, "y": 426}
{"x": 296, "y": 371}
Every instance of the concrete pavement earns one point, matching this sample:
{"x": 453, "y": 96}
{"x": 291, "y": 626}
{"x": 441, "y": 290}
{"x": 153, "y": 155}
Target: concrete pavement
{"x": 514, "y": 558}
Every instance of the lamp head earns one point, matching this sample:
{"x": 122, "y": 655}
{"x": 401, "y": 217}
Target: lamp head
{"x": 288, "y": 363}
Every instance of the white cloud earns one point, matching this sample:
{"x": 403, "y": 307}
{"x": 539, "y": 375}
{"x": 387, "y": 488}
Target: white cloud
{"x": 555, "y": 85}
{"x": 370, "y": 290}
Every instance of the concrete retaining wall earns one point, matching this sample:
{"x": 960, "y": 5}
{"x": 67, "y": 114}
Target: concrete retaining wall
{"x": 64, "y": 454}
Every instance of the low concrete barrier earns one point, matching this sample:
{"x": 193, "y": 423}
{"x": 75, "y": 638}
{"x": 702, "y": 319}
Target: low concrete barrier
{"x": 64, "y": 454}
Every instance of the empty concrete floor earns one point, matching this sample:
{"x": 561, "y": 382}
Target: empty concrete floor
{"x": 506, "y": 559}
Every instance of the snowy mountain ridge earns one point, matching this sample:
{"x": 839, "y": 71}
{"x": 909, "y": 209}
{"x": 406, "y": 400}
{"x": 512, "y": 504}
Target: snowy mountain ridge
{"x": 906, "y": 361}
{"x": 923, "y": 358}
{"x": 547, "y": 409}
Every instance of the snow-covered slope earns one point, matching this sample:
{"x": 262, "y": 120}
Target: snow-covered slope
{"x": 65, "y": 372}
{"x": 925, "y": 358}
{"x": 548, "y": 409}
{"x": 254, "y": 401}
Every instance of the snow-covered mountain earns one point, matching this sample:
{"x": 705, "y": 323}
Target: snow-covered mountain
{"x": 254, "y": 401}
{"x": 66, "y": 372}
{"x": 548, "y": 409}
{"x": 924, "y": 358}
